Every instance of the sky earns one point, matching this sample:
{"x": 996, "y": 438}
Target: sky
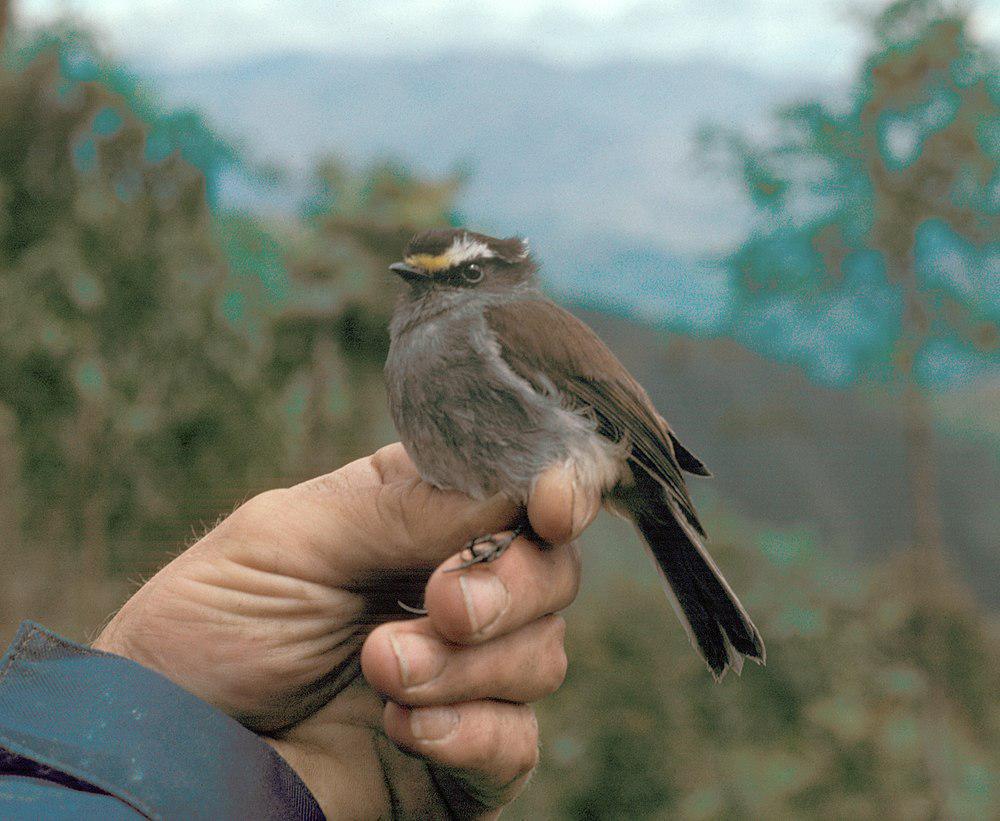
{"x": 819, "y": 37}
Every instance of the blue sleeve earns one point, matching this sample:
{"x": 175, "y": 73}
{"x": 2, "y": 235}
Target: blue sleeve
{"x": 85, "y": 734}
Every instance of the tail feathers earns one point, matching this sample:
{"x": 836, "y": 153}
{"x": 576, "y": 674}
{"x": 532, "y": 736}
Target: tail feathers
{"x": 715, "y": 621}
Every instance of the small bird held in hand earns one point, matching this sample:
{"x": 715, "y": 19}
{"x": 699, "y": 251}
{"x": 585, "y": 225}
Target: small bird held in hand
{"x": 490, "y": 383}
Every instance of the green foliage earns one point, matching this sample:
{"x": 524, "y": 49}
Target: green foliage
{"x": 167, "y": 130}
{"x": 330, "y": 332}
{"x": 849, "y": 719}
{"x": 159, "y": 362}
{"x": 877, "y": 256}
{"x": 135, "y": 403}
{"x": 878, "y": 242}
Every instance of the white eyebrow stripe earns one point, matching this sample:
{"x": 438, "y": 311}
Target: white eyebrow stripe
{"x": 464, "y": 248}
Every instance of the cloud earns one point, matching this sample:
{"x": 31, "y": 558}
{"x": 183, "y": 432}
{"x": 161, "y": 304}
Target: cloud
{"x": 773, "y": 36}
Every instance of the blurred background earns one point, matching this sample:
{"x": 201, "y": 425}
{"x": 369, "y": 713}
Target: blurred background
{"x": 784, "y": 217}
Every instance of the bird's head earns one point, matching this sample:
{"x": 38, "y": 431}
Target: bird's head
{"x": 454, "y": 258}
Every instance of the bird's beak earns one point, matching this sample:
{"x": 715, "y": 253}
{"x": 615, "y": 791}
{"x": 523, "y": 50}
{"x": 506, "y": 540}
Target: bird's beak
{"x": 408, "y": 272}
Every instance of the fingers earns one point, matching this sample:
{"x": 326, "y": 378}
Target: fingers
{"x": 410, "y": 664}
{"x": 486, "y": 600}
{"x": 457, "y": 681}
{"x": 491, "y": 747}
{"x": 560, "y": 506}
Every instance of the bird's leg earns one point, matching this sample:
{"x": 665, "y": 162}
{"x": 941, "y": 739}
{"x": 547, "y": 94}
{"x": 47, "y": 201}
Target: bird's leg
{"x": 495, "y": 549}
{"x": 496, "y": 545}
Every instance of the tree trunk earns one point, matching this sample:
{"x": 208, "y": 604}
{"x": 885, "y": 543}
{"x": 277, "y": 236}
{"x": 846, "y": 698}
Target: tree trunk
{"x": 927, "y": 532}
{"x": 928, "y": 528}
{"x": 928, "y": 568}
{"x": 928, "y": 581}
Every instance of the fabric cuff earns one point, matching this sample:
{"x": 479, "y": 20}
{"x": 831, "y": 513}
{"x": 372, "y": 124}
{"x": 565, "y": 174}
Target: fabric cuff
{"x": 97, "y": 721}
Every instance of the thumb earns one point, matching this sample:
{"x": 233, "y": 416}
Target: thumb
{"x": 377, "y": 516}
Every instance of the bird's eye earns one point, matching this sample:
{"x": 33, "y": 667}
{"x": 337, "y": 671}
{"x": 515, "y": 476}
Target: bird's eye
{"x": 472, "y": 273}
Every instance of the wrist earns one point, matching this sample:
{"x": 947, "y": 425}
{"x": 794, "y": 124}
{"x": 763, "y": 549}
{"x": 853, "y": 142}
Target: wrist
{"x": 350, "y": 785}
{"x": 112, "y": 639}
{"x": 119, "y": 637}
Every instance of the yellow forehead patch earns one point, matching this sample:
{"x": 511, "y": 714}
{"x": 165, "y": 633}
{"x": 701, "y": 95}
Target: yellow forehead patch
{"x": 430, "y": 262}
{"x": 462, "y": 249}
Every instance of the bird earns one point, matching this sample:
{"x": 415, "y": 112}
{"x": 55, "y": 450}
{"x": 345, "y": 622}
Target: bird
{"x": 490, "y": 383}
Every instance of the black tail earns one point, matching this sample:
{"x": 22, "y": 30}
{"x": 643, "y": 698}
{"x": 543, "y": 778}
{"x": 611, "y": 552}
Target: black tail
{"x": 716, "y": 622}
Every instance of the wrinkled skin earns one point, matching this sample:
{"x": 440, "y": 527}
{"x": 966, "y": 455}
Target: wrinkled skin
{"x": 285, "y": 617}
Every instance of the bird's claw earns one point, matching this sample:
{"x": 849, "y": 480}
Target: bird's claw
{"x": 497, "y": 546}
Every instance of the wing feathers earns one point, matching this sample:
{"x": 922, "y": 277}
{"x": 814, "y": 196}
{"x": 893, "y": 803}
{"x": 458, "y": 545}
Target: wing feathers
{"x": 687, "y": 460}
{"x": 542, "y": 342}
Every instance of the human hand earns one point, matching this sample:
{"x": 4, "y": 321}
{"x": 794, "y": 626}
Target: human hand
{"x": 273, "y": 614}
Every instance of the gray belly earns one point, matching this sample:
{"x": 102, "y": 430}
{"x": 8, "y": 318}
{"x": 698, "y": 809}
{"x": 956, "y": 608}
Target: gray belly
{"x": 469, "y": 423}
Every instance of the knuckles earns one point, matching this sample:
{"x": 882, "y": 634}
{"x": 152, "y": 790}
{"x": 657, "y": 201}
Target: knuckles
{"x": 261, "y": 513}
{"x": 268, "y": 502}
{"x": 446, "y": 606}
{"x": 532, "y": 668}
{"x": 529, "y": 758}
{"x": 555, "y": 653}
{"x": 377, "y": 663}
{"x": 511, "y": 743}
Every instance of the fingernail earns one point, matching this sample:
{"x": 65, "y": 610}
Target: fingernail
{"x": 433, "y": 723}
{"x": 486, "y": 598}
{"x": 419, "y": 657}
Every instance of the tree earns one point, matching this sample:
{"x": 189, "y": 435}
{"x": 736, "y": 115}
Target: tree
{"x": 877, "y": 258}
{"x": 879, "y": 241}
{"x": 134, "y": 402}
{"x": 147, "y": 345}
{"x": 331, "y": 335}
{"x": 167, "y": 130}
{"x": 835, "y": 725}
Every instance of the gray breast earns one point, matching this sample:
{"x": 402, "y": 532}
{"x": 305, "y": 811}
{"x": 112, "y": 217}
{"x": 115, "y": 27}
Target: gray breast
{"x": 467, "y": 421}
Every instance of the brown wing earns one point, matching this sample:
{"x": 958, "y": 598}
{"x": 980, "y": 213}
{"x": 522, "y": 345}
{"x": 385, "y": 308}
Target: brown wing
{"x": 542, "y": 342}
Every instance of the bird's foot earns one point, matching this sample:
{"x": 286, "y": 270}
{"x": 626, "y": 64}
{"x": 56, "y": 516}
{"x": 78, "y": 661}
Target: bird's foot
{"x": 487, "y": 548}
